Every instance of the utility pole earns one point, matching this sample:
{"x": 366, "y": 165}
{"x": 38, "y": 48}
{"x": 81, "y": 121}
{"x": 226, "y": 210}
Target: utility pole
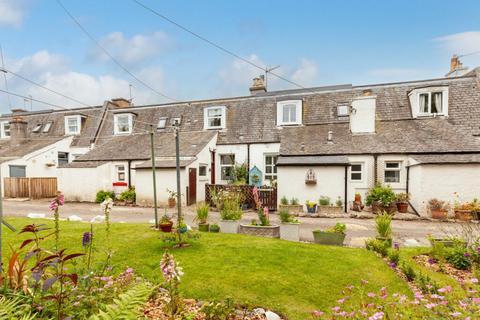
{"x": 2, "y": 222}
{"x": 152, "y": 146}
{"x": 177, "y": 159}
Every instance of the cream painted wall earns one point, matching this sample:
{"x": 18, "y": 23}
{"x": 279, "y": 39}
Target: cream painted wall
{"x": 330, "y": 183}
{"x": 82, "y": 184}
{"x": 166, "y": 179}
{"x": 362, "y": 118}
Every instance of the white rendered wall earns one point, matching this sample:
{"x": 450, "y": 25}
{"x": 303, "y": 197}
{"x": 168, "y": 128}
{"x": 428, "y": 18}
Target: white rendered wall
{"x": 397, "y": 187}
{"x": 82, "y": 184}
{"x": 166, "y": 179}
{"x": 240, "y": 152}
{"x": 362, "y": 118}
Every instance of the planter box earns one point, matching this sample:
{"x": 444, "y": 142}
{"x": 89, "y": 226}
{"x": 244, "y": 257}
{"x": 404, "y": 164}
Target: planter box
{"x": 290, "y": 231}
{"x": 261, "y": 231}
{"x": 229, "y": 226}
{"x": 330, "y": 209}
{"x": 378, "y": 208}
{"x": 463, "y": 215}
{"x": 439, "y": 214}
{"x": 328, "y": 238}
{"x": 203, "y": 227}
{"x": 296, "y": 208}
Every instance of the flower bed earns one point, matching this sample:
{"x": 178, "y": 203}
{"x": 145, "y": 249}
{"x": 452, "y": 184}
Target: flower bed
{"x": 261, "y": 231}
{"x": 459, "y": 275}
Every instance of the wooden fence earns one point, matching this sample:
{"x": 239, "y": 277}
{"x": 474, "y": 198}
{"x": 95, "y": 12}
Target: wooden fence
{"x": 267, "y": 196}
{"x": 33, "y": 188}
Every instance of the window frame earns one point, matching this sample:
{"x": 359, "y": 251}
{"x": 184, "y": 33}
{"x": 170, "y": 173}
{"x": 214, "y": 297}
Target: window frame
{"x": 398, "y": 169}
{"x": 78, "y": 119}
{"x": 345, "y": 108}
{"x": 37, "y": 128}
{"x": 3, "y": 132}
{"x": 206, "y": 118}
{"x": 415, "y": 96}
{"x": 361, "y": 164}
{"x": 273, "y": 165}
{"x": 47, "y": 127}
{"x": 429, "y": 103}
{"x": 200, "y": 166}
{"x": 298, "y": 112}
{"x": 119, "y": 171}
{"x": 222, "y": 166}
{"x": 116, "y": 122}
{"x": 63, "y": 161}
{"x": 165, "y": 119}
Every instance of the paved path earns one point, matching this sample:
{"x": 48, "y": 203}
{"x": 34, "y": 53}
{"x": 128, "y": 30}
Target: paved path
{"x": 357, "y": 229}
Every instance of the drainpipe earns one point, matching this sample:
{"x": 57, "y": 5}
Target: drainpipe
{"x": 346, "y": 188}
{"x": 212, "y": 166}
{"x": 407, "y": 188}
{"x": 248, "y": 157}
{"x": 130, "y": 173}
{"x": 375, "y": 168}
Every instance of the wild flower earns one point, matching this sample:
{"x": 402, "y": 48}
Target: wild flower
{"x": 474, "y": 280}
{"x": 377, "y": 316}
{"x": 107, "y": 206}
{"x": 58, "y": 201}
{"x": 87, "y": 239}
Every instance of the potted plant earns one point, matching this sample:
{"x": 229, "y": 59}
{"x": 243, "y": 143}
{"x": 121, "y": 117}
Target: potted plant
{"x": 230, "y": 214}
{"x": 334, "y": 236}
{"x": 166, "y": 223}
{"x": 463, "y": 211}
{"x": 438, "y": 208}
{"x": 358, "y": 197}
{"x": 289, "y": 226}
{"x": 384, "y": 229}
{"x": 202, "y": 216}
{"x": 172, "y": 198}
{"x": 182, "y": 227}
{"x": 382, "y": 199}
{"x": 262, "y": 229}
{"x": 311, "y": 206}
{"x": 402, "y": 202}
{"x": 291, "y": 206}
{"x": 214, "y": 228}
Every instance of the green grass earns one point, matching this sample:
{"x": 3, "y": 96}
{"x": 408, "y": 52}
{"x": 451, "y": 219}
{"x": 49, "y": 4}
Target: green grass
{"x": 291, "y": 278}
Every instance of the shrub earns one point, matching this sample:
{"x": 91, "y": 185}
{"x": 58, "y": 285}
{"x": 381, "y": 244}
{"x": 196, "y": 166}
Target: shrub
{"x": 394, "y": 256}
{"x": 459, "y": 258}
{"x": 284, "y": 201}
{"x": 231, "y": 210}
{"x": 383, "y": 225}
{"x": 324, "y": 201}
{"x": 294, "y": 201}
{"x": 129, "y": 195}
{"x": 339, "y": 202}
{"x": 437, "y": 205}
{"x": 286, "y": 217}
{"x": 408, "y": 271}
{"x": 402, "y": 197}
{"x": 380, "y": 193}
{"x": 380, "y": 247}
{"x": 339, "y": 228}
{"x": 202, "y": 212}
{"x": 263, "y": 217}
{"x": 426, "y": 284}
{"x": 102, "y": 195}
{"x": 240, "y": 174}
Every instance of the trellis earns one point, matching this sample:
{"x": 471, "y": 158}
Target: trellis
{"x": 267, "y": 196}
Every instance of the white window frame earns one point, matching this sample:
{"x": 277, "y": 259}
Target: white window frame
{"x": 116, "y": 130}
{"x": 3, "y": 132}
{"x": 232, "y": 165}
{"x": 362, "y": 166}
{"x": 78, "y": 118}
{"x": 176, "y": 120}
{"x": 272, "y": 165}
{"x": 298, "y": 112}
{"x": 203, "y": 177}
{"x": 164, "y": 120}
{"x": 343, "y": 110}
{"x": 118, "y": 171}
{"x": 415, "y": 101}
{"x": 206, "y": 118}
{"x": 399, "y": 170}
{"x": 47, "y": 127}
{"x": 37, "y": 128}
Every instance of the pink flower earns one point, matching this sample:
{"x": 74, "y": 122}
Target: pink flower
{"x": 341, "y": 300}
{"x": 430, "y": 305}
{"x": 455, "y": 314}
{"x": 336, "y": 309}
{"x": 318, "y": 313}
{"x": 371, "y": 294}
{"x": 445, "y": 289}
{"x": 476, "y": 300}
{"x": 377, "y": 316}
{"x": 474, "y": 280}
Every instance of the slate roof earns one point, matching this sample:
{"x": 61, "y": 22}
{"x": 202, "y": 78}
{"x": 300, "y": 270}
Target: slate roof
{"x": 398, "y": 136}
{"x": 83, "y": 164}
{"x": 446, "y": 158}
{"x": 18, "y": 150}
{"x": 137, "y": 146}
{"x": 163, "y": 164}
{"x": 312, "y": 160}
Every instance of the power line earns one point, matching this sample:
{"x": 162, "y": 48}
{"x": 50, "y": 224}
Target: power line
{"x": 5, "y": 78}
{"x": 469, "y": 54}
{"x": 92, "y": 38}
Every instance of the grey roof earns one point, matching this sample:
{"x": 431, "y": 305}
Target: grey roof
{"x": 400, "y": 136}
{"x": 446, "y": 158}
{"x": 9, "y": 149}
{"x": 313, "y": 160}
{"x": 137, "y": 146}
{"x": 83, "y": 164}
{"x": 163, "y": 164}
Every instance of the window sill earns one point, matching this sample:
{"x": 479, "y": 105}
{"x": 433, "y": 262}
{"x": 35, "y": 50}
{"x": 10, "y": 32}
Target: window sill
{"x": 214, "y": 128}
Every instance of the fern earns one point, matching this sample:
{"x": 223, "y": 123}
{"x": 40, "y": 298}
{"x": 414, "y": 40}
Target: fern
{"x": 127, "y": 306}
{"x": 14, "y": 309}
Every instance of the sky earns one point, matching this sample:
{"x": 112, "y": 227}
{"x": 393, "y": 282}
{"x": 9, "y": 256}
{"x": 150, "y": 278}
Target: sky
{"x": 315, "y": 43}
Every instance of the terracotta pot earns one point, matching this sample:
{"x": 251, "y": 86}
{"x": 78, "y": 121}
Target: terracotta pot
{"x": 463, "y": 215}
{"x": 438, "y": 214}
{"x": 166, "y": 227}
{"x": 402, "y": 207}
{"x": 358, "y": 198}
{"x": 172, "y": 202}
{"x": 378, "y": 208}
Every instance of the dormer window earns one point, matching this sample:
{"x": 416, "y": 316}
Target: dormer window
{"x": 214, "y": 117}
{"x": 123, "y": 123}
{"x": 429, "y": 101}
{"x": 37, "y": 128}
{"x": 289, "y": 112}
{"x": 162, "y": 123}
{"x": 73, "y": 125}
{"x": 4, "y": 129}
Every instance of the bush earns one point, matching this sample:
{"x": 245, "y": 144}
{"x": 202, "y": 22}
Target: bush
{"x": 338, "y": 228}
{"x": 294, "y": 201}
{"x": 324, "y": 201}
{"x": 383, "y": 225}
{"x": 284, "y": 201}
{"x": 380, "y": 247}
{"x": 394, "y": 256}
{"x": 262, "y": 216}
{"x": 129, "y": 195}
{"x": 382, "y": 194}
{"x": 286, "y": 217}
{"x": 459, "y": 258}
{"x": 231, "y": 210}
{"x": 339, "y": 202}
{"x": 202, "y": 212}
{"x": 426, "y": 284}
{"x": 102, "y": 195}
{"x": 408, "y": 271}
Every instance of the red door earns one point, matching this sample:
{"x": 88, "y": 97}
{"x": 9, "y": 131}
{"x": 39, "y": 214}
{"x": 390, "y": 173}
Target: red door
{"x": 192, "y": 186}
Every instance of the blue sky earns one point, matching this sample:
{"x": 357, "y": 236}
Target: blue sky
{"x": 315, "y": 43}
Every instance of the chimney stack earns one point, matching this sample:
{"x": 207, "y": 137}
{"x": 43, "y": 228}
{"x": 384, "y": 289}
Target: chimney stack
{"x": 18, "y": 130}
{"x": 121, "y": 103}
{"x": 258, "y": 86}
{"x": 456, "y": 67}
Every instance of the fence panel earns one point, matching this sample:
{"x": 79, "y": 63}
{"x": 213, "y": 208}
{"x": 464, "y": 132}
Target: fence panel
{"x": 16, "y": 187}
{"x": 267, "y": 196}
{"x": 33, "y": 188}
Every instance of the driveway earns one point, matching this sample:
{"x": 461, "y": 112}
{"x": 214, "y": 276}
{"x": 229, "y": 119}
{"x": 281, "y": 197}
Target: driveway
{"x": 414, "y": 232}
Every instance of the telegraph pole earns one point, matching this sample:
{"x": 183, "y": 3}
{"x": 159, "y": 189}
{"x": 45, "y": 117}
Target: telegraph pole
{"x": 177, "y": 159}
{"x": 152, "y": 146}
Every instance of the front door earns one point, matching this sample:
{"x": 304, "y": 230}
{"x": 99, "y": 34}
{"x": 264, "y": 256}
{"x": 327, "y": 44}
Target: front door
{"x": 192, "y": 186}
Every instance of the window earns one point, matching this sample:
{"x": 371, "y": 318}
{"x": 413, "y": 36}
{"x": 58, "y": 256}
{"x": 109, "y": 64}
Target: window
{"x": 5, "y": 129}
{"x": 356, "y": 172}
{"x": 289, "y": 112}
{"x": 227, "y": 163}
{"x": 431, "y": 103}
{"x": 62, "y": 158}
{"x": 123, "y": 123}
{"x": 47, "y": 127}
{"x": 392, "y": 172}
{"x": 271, "y": 167}
{"x": 202, "y": 170}
{"x": 120, "y": 173}
{"x": 73, "y": 125}
{"x": 176, "y": 121}
{"x": 162, "y": 123}
{"x": 17, "y": 171}
{"x": 343, "y": 111}
{"x": 37, "y": 128}
{"x": 214, "y": 117}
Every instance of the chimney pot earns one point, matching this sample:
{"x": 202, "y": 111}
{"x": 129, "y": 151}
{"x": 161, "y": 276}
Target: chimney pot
{"x": 258, "y": 86}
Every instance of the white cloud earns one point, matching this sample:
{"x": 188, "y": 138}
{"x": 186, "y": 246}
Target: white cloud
{"x": 11, "y": 13}
{"x": 462, "y": 43}
{"x": 132, "y": 50}
{"x": 306, "y": 73}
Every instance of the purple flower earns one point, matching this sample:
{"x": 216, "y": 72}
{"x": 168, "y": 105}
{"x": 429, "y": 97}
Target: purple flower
{"x": 87, "y": 239}
{"x": 396, "y": 245}
{"x": 392, "y": 265}
{"x": 466, "y": 255}
{"x": 431, "y": 261}
{"x": 478, "y": 249}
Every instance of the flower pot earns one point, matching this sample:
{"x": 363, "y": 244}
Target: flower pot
{"x": 166, "y": 227}
{"x": 463, "y": 215}
{"x": 229, "y": 226}
{"x": 172, "y": 202}
{"x": 328, "y": 238}
{"x": 204, "y": 227}
{"x": 290, "y": 231}
{"x": 358, "y": 198}
{"x": 260, "y": 231}
{"x": 182, "y": 229}
{"x": 311, "y": 209}
{"x": 402, "y": 207}
{"x": 438, "y": 214}
{"x": 214, "y": 229}
{"x": 378, "y": 208}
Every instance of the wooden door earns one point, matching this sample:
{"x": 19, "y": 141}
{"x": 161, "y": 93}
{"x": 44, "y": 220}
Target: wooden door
{"x": 192, "y": 186}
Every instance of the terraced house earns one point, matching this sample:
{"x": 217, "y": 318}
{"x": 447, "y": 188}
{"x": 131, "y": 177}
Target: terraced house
{"x": 420, "y": 137}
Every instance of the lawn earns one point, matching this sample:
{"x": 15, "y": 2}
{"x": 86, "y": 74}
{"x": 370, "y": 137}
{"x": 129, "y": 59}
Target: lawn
{"x": 291, "y": 278}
